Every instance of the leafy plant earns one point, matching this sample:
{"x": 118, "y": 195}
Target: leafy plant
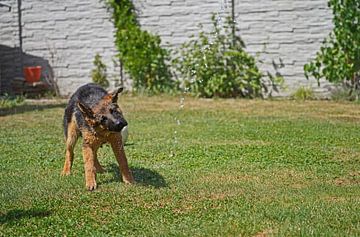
{"x": 303, "y": 93}
{"x": 344, "y": 93}
{"x": 139, "y": 51}
{"x": 98, "y": 74}
{"x": 7, "y": 101}
{"x": 339, "y": 58}
{"x": 216, "y": 64}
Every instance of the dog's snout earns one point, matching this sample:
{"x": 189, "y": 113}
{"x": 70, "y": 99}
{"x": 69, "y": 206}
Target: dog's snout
{"x": 121, "y": 123}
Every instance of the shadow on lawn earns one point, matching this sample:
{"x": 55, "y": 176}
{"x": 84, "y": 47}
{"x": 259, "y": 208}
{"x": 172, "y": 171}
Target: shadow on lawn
{"x": 142, "y": 176}
{"x": 29, "y": 107}
{"x": 17, "y": 214}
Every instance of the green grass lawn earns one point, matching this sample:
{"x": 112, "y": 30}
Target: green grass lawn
{"x": 210, "y": 168}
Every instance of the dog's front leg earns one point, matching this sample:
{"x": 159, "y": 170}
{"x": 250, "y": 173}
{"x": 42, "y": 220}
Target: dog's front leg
{"x": 119, "y": 152}
{"x": 89, "y": 155}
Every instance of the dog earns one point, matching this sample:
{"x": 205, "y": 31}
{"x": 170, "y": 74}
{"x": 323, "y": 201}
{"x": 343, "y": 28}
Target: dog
{"x": 94, "y": 114}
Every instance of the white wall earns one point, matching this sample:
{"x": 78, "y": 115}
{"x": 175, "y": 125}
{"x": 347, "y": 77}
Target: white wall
{"x": 67, "y": 34}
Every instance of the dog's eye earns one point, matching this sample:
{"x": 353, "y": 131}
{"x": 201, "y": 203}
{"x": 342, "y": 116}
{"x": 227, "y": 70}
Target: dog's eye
{"x": 114, "y": 111}
{"x": 113, "y": 108}
{"x": 103, "y": 119}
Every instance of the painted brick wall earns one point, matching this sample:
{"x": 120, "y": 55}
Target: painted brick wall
{"x": 9, "y": 43}
{"x": 66, "y": 35}
{"x": 292, "y": 30}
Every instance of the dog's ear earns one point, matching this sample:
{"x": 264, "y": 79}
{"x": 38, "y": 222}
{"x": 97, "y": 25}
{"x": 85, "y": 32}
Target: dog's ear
{"x": 87, "y": 112}
{"x": 114, "y": 94}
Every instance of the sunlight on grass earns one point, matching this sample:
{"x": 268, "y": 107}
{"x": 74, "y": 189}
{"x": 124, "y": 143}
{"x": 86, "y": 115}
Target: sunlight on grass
{"x": 212, "y": 168}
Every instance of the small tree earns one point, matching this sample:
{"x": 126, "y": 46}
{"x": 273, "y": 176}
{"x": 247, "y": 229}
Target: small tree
{"x": 98, "y": 74}
{"x": 339, "y": 58}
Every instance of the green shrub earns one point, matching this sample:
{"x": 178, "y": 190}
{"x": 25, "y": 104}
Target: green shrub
{"x": 303, "y": 93}
{"x": 216, "y": 64}
{"x": 344, "y": 94}
{"x": 139, "y": 51}
{"x": 7, "y": 102}
{"x": 339, "y": 58}
{"x": 98, "y": 74}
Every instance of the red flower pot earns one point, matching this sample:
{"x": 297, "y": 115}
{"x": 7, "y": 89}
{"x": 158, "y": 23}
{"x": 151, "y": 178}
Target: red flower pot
{"x": 32, "y": 74}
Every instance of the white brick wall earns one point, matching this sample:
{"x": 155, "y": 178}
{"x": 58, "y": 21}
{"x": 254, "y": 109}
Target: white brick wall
{"x": 292, "y": 30}
{"x": 64, "y": 35}
{"x": 8, "y": 43}
{"x": 74, "y": 31}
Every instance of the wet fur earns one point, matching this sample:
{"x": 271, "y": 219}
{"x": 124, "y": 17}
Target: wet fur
{"x": 84, "y": 116}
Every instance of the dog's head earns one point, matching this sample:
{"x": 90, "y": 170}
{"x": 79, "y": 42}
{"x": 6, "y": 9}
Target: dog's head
{"x": 106, "y": 114}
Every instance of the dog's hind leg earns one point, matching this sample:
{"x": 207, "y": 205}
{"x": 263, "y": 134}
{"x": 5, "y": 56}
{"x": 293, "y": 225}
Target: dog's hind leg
{"x": 119, "y": 152}
{"x": 71, "y": 138}
{"x": 98, "y": 167}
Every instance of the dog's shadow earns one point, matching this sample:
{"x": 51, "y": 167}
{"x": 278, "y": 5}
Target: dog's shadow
{"x": 142, "y": 176}
{"x": 17, "y": 214}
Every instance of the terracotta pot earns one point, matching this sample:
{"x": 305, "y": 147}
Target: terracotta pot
{"x": 32, "y": 74}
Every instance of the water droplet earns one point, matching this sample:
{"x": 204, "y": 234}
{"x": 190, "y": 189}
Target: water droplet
{"x": 182, "y": 102}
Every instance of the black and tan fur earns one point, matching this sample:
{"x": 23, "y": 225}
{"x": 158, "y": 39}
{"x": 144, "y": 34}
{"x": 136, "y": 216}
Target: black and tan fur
{"x": 95, "y": 115}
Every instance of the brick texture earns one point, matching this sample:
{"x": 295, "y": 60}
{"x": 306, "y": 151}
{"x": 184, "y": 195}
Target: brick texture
{"x": 287, "y": 32}
{"x": 65, "y": 35}
{"x": 62, "y": 35}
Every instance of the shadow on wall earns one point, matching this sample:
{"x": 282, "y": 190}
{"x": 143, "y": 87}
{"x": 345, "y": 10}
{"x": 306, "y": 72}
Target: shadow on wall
{"x": 11, "y": 61}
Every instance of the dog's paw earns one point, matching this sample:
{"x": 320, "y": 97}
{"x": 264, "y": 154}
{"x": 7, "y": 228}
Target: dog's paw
{"x": 65, "y": 173}
{"x": 91, "y": 186}
{"x": 128, "y": 180}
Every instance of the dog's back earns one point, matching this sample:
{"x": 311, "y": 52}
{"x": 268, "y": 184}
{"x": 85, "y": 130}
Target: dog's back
{"x": 89, "y": 95}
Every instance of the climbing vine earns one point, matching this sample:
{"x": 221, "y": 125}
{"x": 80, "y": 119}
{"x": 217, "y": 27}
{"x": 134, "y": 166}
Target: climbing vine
{"x": 140, "y": 52}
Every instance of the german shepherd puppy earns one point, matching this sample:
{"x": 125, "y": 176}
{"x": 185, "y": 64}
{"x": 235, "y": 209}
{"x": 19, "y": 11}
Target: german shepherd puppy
{"x": 94, "y": 114}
